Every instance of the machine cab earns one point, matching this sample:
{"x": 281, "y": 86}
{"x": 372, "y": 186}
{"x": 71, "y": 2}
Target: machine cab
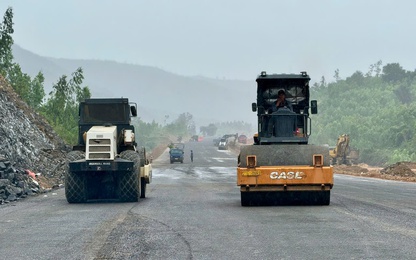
{"x": 287, "y": 124}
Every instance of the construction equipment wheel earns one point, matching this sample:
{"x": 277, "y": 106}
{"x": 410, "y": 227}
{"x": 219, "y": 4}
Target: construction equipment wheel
{"x": 142, "y": 188}
{"x": 324, "y": 198}
{"x": 142, "y": 154}
{"x": 245, "y": 199}
{"x": 75, "y": 182}
{"x": 128, "y": 182}
{"x": 143, "y": 160}
{"x": 250, "y": 198}
{"x": 285, "y": 198}
{"x": 314, "y": 197}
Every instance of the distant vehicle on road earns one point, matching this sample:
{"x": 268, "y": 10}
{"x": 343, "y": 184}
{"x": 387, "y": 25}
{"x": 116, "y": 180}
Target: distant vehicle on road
{"x": 223, "y": 144}
{"x": 176, "y": 155}
{"x": 217, "y": 141}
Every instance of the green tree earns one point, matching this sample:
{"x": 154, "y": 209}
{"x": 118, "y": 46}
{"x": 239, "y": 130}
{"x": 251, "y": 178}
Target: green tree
{"x": 19, "y": 81}
{"x": 37, "y": 91}
{"x": 6, "y": 42}
{"x": 356, "y": 78}
{"x": 182, "y": 126}
{"x": 232, "y": 127}
{"x": 374, "y": 69}
{"x": 377, "y": 68}
{"x": 336, "y": 75}
{"x": 393, "y": 72}
{"x": 149, "y": 135}
{"x": 61, "y": 108}
{"x": 31, "y": 91}
{"x": 404, "y": 94}
{"x": 378, "y": 113}
{"x": 323, "y": 83}
{"x": 209, "y": 130}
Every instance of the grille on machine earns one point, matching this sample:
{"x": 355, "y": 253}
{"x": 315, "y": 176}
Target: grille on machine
{"x": 99, "y": 148}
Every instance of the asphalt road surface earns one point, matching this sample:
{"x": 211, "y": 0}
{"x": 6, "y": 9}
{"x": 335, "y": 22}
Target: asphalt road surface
{"x": 192, "y": 211}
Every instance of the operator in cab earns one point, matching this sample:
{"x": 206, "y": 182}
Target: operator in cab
{"x": 281, "y": 102}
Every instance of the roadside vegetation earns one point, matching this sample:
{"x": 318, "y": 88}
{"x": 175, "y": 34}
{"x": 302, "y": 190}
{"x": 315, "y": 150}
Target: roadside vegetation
{"x": 151, "y": 135}
{"x": 376, "y": 108}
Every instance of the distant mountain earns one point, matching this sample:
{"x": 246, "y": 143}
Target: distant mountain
{"x": 157, "y": 92}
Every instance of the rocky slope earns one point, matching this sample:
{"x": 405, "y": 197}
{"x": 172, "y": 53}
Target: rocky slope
{"x": 28, "y": 144}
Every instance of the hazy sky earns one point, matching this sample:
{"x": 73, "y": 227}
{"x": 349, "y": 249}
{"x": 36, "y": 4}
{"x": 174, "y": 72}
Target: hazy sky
{"x": 232, "y": 39}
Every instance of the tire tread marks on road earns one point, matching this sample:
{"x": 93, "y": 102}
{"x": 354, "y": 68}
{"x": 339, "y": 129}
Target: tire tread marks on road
{"x": 383, "y": 220}
{"x": 140, "y": 237}
{"x": 100, "y": 237}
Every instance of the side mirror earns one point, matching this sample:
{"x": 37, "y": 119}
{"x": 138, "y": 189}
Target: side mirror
{"x": 254, "y": 107}
{"x": 314, "y": 107}
{"x": 133, "y": 110}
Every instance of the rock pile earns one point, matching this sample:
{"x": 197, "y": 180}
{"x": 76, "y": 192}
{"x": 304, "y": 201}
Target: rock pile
{"x": 27, "y": 142}
{"x": 15, "y": 184}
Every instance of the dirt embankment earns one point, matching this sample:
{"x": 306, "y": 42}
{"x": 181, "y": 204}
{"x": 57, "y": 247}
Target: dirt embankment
{"x": 157, "y": 151}
{"x": 400, "y": 171}
{"x": 163, "y": 145}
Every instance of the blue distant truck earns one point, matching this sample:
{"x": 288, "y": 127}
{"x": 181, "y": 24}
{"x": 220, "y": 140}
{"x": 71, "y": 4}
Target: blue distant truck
{"x": 176, "y": 152}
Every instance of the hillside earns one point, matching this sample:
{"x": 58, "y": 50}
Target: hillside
{"x": 377, "y": 110}
{"x": 157, "y": 92}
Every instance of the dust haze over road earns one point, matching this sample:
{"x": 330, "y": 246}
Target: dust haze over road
{"x": 192, "y": 211}
{"x": 222, "y": 39}
{"x": 195, "y": 46}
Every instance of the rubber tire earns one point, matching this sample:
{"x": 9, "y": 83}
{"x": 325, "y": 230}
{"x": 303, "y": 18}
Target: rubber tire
{"x": 142, "y": 153}
{"x": 128, "y": 182}
{"x": 143, "y": 188}
{"x": 75, "y": 182}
